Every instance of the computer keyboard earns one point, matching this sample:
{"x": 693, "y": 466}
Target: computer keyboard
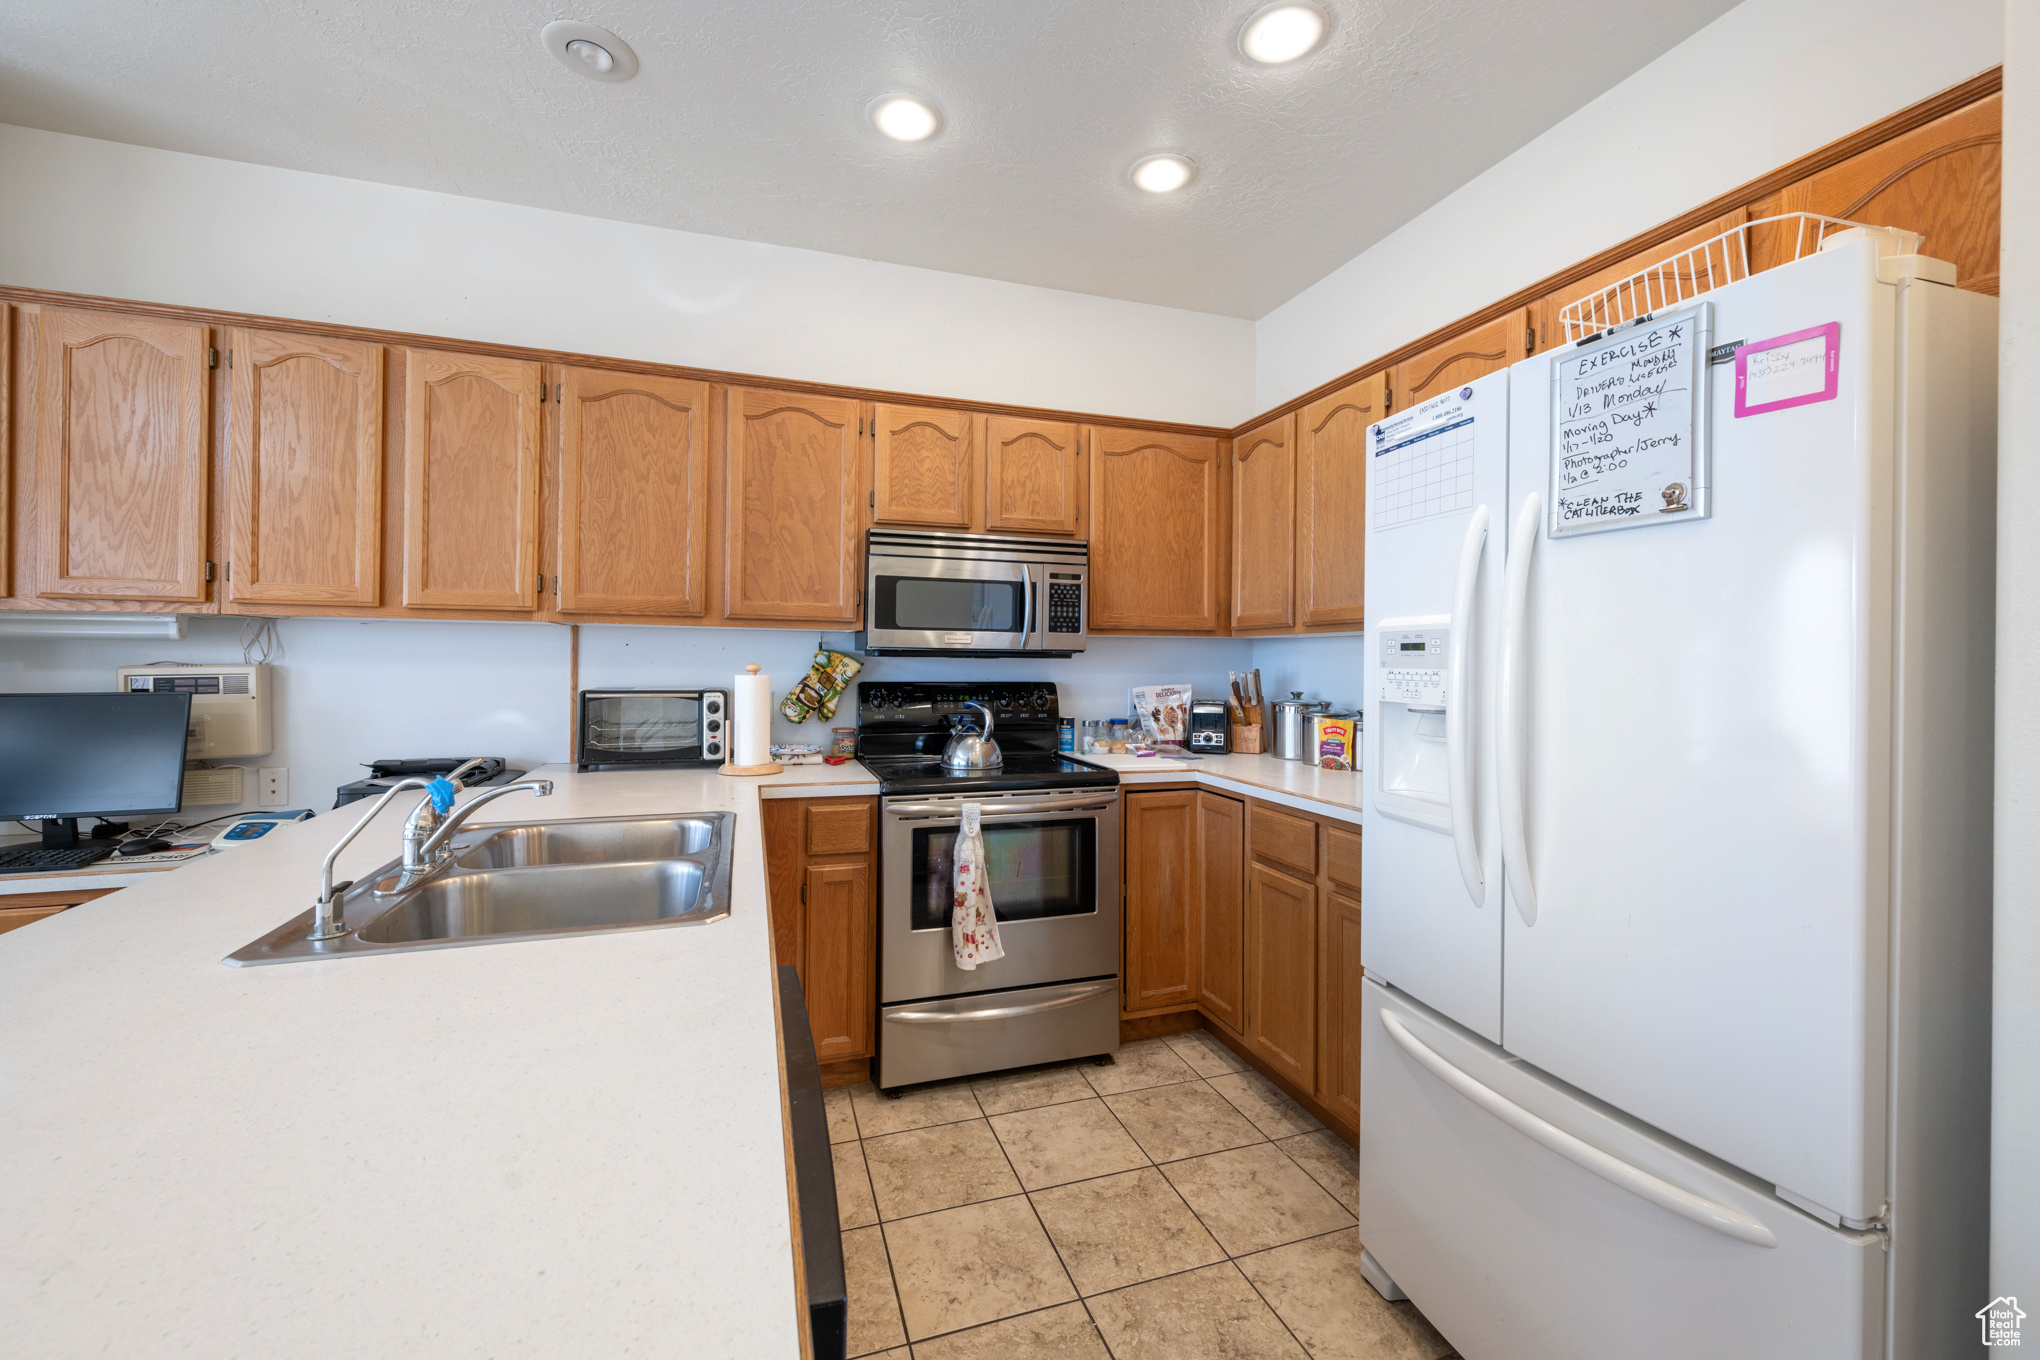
{"x": 39, "y": 860}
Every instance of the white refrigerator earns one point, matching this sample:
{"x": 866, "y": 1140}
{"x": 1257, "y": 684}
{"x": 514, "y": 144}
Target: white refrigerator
{"x": 1676, "y": 899}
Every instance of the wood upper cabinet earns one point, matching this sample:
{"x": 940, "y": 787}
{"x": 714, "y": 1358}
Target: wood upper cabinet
{"x": 1690, "y": 263}
{"x": 1034, "y": 481}
{"x": 795, "y": 502}
{"x": 1469, "y": 355}
{"x": 7, "y": 472}
{"x": 123, "y": 467}
{"x": 1943, "y": 180}
{"x": 471, "y": 437}
{"x": 1331, "y": 503}
{"x": 821, "y": 883}
{"x": 1158, "y": 545}
{"x": 922, "y": 467}
{"x": 1264, "y": 526}
{"x": 1282, "y": 928}
{"x": 1161, "y": 872}
{"x": 1221, "y": 909}
{"x": 633, "y": 494}
{"x": 305, "y": 505}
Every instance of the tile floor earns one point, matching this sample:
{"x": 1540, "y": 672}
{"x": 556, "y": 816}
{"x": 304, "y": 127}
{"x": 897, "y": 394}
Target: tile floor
{"x": 1172, "y": 1206}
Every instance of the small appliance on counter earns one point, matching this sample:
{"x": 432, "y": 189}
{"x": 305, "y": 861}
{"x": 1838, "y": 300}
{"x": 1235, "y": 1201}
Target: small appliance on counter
{"x": 1210, "y": 727}
{"x": 254, "y": 826}
{"x": 622, "y": 727}
{"x": 383, "y": 773}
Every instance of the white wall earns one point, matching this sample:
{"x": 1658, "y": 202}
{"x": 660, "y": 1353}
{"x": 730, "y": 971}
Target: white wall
{"x": 123, "y": 221}
{"x": 1767, "y": 82}
{"x": 2015, "y": 1047}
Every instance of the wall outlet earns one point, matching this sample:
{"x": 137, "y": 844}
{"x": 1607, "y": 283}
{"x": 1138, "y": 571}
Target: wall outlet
{"x": 272, "y": 786}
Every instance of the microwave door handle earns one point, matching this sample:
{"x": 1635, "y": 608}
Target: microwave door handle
{"x": 1027, "y": 622}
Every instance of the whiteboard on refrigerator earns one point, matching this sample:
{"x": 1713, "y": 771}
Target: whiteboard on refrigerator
{"x": 1629, "y": 418}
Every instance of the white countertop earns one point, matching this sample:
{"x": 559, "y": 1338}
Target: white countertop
{"x": 549, "y": 1148}
{"x": 1309, "y": 788}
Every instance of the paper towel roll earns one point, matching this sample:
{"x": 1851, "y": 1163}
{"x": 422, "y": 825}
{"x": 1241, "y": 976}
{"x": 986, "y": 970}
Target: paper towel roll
{"x": 751, "y": 718}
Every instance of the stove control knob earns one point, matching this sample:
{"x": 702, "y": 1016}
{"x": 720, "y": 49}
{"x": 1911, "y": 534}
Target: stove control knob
{"x": 1041, "y": 700}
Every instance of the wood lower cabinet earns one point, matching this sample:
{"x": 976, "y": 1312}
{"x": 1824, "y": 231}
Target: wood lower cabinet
{"x": 1161, "y": 891}
{"x": 25, "y": 909}
{"x": 923, "y": 467}
{"x": 1476, "y": 353}
{"x": 633, "y": 494}
{"x": 795, "y": 505}
{"x": 1331, "y": 503}
{"x": 124, "y": 466}
{"x": 1282, "y": 971}
{"x": 305, "y": 522}
{"x": 1034, "y": 476}
{"x": 471, "y": 451}
{"x": 1221, "y": 924}
{"x": 1158, "y": 538}
{"x": 821, "y": 870}
{"x": 1339, "y": 974}
{"x": 1264, "y": 526}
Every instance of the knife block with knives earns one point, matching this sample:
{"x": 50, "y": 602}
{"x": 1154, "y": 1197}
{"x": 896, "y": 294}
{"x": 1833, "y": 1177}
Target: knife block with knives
{"x": 1246, "y": 711}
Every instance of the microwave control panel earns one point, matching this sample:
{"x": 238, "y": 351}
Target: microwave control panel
{"x": 1065, "y": 602}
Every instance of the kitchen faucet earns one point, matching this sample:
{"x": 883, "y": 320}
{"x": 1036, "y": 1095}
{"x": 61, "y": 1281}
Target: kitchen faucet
{"x": 422, "y": 851}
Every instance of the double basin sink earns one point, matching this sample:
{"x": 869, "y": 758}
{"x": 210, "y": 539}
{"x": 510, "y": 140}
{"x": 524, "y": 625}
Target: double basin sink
{"x": 534, "y": 881}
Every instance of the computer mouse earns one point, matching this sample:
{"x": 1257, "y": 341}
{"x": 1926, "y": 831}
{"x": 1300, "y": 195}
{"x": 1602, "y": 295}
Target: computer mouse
{"x": 147, "y": 846}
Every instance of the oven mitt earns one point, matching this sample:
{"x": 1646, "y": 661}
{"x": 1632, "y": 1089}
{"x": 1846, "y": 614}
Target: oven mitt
{"x": 441, "y": 791}
{"x": 973, "y": 924}
{"x": 821, "y": 687}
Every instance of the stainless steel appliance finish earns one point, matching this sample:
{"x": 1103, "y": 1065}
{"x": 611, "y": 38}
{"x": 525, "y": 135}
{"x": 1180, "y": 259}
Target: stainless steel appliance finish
{"x": 968, "y": 750}
{"x": 1051, "y": 830}
{"x": 651, "y": 727}
{"x": 935, "y": 594}
{"x": 580, "y": 876}
{"x": 1292, "y": 725}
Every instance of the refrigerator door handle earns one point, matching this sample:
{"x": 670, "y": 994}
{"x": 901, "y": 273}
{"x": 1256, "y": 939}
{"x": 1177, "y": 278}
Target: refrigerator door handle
{"x": 1722, "y": 1219}
{"x": 1458, "y": 710}
{"x": 1515, "y": 697}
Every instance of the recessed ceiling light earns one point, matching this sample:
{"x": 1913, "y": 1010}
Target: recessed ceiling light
{"x": 905, "y": 118}
{"x": 1162, "y": 173}
{"x": 589, "y": 51}
{"x": 1283, "y": 31}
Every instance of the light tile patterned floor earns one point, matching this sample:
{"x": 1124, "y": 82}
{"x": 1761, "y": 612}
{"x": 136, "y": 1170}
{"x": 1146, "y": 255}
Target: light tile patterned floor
{"x": 1172, "y": 1206}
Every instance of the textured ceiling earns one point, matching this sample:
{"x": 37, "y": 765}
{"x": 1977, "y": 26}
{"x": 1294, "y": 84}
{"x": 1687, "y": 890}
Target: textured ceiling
{"x": 746, "y": 119}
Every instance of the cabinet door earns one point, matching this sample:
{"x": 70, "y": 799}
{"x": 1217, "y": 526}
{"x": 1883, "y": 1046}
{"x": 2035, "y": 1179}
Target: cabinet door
{"x": 1942, "y": 180}
{"x": 794, "y": 507}
{"x": 1472, "y": 354}
{"x": 1034, "y": 480}
{"x": 922, "y": 463}
{"x": 1338, "y": 1038}
{"x": 1156, "y": 545}
{"x": 306, "y": 516}
{"x": 837, "y": 940}
{"x": 470, "y": 481}
{"x": 1264, "y": 526}
{"x": 1221, "y": 909}
{"x": 1331, "y": 503}
{"x": 1689, "y": 264}
{"x": 633, "y": 494}
{"x": 1282, "y": 972}
{"x": 123, "y": 470}
{"x": 1161, "y": 898}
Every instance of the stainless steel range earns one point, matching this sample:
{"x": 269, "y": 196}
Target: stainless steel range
{"x": 1051, "y": 830}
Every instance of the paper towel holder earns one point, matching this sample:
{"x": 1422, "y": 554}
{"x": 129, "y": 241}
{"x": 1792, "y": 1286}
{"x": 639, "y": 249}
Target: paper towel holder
{"x": 770, "y": 766}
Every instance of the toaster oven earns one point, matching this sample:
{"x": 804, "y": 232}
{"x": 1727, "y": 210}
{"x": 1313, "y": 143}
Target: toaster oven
{"x": 651, "y": 727}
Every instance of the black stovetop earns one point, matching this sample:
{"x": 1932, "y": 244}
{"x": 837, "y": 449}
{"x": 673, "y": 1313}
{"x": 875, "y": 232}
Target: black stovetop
{"x": 903, "y": 726}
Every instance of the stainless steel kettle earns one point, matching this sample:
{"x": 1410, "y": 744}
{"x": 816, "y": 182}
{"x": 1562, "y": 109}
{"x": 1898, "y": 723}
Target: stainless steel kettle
{"x": 968, "y": 750}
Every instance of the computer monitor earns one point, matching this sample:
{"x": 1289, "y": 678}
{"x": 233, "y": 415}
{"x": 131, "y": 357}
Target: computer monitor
{"x": 66, "y": 756}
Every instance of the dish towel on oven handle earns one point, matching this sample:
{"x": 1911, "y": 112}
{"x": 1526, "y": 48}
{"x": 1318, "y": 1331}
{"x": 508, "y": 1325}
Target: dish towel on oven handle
{"x": 973, "y": 925}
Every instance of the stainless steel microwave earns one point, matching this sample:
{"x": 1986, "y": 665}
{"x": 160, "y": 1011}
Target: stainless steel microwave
{"x": 930, "y": 594}
{"x": 651, "y": 727}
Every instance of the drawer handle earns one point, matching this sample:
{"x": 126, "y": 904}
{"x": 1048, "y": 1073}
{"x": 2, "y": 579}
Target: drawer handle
{"x": 1722, "y": 1219}
{"x": 1000, "y": 1012}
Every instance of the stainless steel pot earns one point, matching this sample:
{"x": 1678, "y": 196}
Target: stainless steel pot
{"x": 1292, "y": 725}
{"x": 968, "y": 750}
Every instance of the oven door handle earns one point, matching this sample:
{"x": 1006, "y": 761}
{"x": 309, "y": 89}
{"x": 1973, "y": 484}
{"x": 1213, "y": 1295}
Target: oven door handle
{"x": 1002, "y": 1012}
{"x": 994, "y": 808}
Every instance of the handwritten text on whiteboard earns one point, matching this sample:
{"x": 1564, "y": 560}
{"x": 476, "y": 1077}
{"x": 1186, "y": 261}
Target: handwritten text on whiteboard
{"x": 1630, "y": 425}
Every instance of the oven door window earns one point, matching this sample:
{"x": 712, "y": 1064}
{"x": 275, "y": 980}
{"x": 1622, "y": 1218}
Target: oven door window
{"x": 941, "y": 604}
{"x": 1034, "y": 870}
{"x": 643, "y": 724}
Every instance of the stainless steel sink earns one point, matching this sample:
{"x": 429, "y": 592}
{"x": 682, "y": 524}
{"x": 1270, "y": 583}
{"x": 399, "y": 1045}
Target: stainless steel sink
{"x": 591, "y": 842}
{"x": 584, "y": 876}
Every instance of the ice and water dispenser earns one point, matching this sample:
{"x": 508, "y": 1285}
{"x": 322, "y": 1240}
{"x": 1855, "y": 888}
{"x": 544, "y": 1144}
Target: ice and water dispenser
{"x": 1409, "y": 712}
